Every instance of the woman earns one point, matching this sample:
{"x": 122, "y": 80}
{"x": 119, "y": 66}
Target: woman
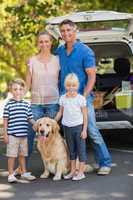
{"x": 42, "y": 79}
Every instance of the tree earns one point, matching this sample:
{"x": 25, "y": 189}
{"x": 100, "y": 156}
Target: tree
{"x": 84, "y": 5}
{"x": 21, "y": 20}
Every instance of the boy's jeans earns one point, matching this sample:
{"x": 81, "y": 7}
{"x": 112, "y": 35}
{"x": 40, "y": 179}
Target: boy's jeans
{"x": 101, "y": 153}
{"x": 39, "y": 111}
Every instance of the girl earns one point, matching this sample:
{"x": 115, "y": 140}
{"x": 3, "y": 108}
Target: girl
{"x": 74, "y": 120}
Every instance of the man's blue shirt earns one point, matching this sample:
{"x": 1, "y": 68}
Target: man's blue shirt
{"x": 81, "y": 58}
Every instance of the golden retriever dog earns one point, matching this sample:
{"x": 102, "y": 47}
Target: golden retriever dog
{"x": 53, "y": 149}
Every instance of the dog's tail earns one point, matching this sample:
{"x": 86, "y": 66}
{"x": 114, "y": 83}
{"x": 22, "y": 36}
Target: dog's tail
{"x": 89, "y": 168}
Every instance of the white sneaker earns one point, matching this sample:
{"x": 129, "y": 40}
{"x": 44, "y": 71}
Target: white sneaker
{"x": 78, "y": 177}
{"x": 16, "y": 173}
{"x": 12, "y": 179}
{"x": 68, "y": 176}
{"x": 104, "y": 170}
{"x": 28, "y": 176}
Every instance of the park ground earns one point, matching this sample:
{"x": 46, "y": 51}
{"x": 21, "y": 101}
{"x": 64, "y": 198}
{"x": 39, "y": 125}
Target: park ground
{"x": 116, "y": 186}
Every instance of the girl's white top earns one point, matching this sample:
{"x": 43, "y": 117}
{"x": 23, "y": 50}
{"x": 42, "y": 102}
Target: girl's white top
{"x": 72, "y": 114}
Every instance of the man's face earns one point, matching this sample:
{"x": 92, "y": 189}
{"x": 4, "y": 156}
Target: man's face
{"x": 68, "y": 33}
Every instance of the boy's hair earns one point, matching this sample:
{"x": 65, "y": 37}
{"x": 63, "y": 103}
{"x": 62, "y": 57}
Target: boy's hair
{"x": 68, "y": 21}
{"x": 71, "y": 79}
{"x": 18, "y": 81}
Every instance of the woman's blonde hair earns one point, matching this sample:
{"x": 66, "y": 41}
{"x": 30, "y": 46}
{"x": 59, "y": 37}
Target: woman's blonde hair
{"x": 45, "y": 33}
{"x": 71, "y": 79}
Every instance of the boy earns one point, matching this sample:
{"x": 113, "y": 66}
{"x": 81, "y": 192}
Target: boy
{"x": 17, "y": 114}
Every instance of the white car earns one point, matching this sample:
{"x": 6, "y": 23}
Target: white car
{"x": 110, "y": 35}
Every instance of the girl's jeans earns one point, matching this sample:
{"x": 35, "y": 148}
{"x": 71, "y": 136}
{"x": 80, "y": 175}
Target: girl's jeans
{"x": 76, "y": 145}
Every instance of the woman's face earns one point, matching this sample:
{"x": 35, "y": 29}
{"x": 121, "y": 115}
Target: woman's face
{"x": 44, "y": 42}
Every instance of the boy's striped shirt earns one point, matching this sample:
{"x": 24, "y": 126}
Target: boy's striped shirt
{"x": 18, "y": 113}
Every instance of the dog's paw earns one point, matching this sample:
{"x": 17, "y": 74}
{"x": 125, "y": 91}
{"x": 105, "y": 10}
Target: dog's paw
{"x": 44, "y": 175}
{"x": 56, "y": 178}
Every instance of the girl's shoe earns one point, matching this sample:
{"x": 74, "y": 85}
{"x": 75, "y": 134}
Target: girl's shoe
{"x": 78, "y": 177}
{"x": 68, "y": 176}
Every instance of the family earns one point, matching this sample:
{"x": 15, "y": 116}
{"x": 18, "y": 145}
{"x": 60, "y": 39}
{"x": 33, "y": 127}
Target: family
{"x": 61, "y": 87}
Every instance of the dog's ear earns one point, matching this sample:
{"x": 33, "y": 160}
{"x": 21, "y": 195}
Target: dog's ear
{"x": 35, "y": 125}
{"x": 55, "y": 127}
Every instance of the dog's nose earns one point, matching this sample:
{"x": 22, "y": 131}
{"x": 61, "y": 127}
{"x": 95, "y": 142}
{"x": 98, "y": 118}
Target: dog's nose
{"x": 42, "y": 132}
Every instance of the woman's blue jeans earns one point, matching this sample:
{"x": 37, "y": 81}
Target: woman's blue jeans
{"x": 39, "y": 111}
{"x": 101, "y": 153}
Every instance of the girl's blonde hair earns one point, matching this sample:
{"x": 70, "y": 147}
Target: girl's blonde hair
{"x": 71, "y": 79}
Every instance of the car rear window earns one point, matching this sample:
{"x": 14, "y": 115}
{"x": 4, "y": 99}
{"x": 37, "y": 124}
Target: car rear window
{"x": 104, "y": 25}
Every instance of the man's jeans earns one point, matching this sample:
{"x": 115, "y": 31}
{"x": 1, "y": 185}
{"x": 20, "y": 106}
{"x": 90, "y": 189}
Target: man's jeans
{"x": 101, "y": 153}
{"x": 39, "y": 111}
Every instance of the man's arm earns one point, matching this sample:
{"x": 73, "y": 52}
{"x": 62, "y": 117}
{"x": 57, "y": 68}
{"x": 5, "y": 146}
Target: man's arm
{"x": 91, "y": 73}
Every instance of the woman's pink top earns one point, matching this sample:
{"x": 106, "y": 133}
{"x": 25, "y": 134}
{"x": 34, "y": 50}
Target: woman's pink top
{"x": 44, "y": 86}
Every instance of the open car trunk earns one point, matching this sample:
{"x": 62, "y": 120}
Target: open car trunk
{"x": 110, "y": 35}
{"x": 110, "y": 115}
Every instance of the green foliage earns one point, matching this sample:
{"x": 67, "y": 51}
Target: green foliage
{"x": 20, "y": 22}
{"x": 30, "y": 16}
{"x": 116, "y": 5}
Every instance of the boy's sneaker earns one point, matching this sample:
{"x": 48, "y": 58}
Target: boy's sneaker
{"x": 16, "y": 173}
{"x": 12, "y": 179}
{"x": 104, "y": 171}
{"x": 78, "y": 177}
{"x": 27, "y": 176}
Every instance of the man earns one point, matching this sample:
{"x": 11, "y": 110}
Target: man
{"x": 76, "y": 57}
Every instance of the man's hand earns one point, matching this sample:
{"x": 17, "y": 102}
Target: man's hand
{"x": 91, "y": 73}
{"x": 85, "y": 94}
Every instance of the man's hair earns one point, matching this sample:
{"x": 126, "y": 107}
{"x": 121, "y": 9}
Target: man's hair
{"x": 17, "y": 81}
{"x": 69, "y": 22}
